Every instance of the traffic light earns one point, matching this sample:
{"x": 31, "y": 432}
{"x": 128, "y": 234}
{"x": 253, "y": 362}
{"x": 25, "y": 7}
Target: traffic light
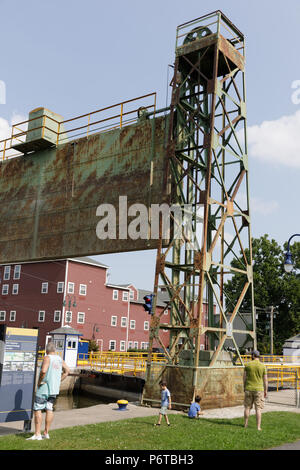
{"x": 148, "y": 303}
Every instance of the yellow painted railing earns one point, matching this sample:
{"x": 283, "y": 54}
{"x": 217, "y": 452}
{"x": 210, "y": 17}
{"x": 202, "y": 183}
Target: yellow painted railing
{"x": 111, "y": 117}
{"x": 116, "y": 362}
{"x": 273, "y": 359}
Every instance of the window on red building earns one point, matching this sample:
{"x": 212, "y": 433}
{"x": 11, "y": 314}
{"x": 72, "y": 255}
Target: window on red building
{"x": 2, "y": 315}
{"x": 5, "y": 289}
{"x": 115, "y": 294}
{"x": 41, "y": 317}
{"x": 57, "y": 315}
{"x": 6, "y": 275}
{"x": 60, "y": 287}
{"x": 113, "y": 321}
{"x": 123, "y": 322}
{"x": 80, "y": 317}
{"x": 71, "y": 287}
{"x": 17, "y": 271}
{"x": 112, "y": 345}
{"x": 68, "y": 317}
{"x": 12, "y": 315}
{"x": 44, "y": 288}
{"x": 15, "y": 289}
{"x": 82, "y": 289}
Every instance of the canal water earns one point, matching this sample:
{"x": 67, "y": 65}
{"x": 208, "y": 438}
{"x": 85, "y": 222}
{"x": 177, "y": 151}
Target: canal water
{"x": 79, "y": 400}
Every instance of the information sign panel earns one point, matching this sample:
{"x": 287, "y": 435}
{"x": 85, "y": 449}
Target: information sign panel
{"x": 18, "y": 373}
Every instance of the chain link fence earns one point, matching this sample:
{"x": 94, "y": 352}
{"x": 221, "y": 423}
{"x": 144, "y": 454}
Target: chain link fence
{"x": 284, "y": 386}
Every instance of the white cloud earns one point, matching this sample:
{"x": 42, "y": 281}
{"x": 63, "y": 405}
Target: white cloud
{"x": 5, "y": 131}
{"x": 257, "y": 204}
{"x": 277, "y": 141}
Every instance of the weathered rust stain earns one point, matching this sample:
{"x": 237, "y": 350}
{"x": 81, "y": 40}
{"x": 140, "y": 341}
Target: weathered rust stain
{"x": 49, "y": 198}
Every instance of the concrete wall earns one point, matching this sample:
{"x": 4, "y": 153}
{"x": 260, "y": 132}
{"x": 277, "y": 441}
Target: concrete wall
{"x": 218, "y": 386}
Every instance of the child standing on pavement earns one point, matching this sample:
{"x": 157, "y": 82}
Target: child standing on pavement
{"x": 165, "y": 403}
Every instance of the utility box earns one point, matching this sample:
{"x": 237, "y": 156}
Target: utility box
{"x": 45, "y": 129}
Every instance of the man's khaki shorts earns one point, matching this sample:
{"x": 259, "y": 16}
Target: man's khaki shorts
{"x": 256, "y": 398}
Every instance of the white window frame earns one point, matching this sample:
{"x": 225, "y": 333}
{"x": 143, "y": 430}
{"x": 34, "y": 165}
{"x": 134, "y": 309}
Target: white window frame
{"x": 2, "y": 315}
{"x": 15, "y": 292}
{"x": 57, "y": 316}
{"x": 135, "y": 345}
{"x": 6, "y": 273}
{"x": 125, "y": 296}
{"x": 68, "y": 320}
{"x": 130, "y": 344}
{"x": 5, "y": 287}
{"x": 123, "y": 322}
{"x": 82, "y": 315}
{"x": 115, "y": 294}
{"x": 85, "y": 289}
{"x": 122, "y": 346}
{"x": 114, "y": 320}
{"x": 60, "y": 287}
{"x": 12, "y": 315}
{"x": 114, "y": 343}
{"x": 131, "y": 294}
{"x": 44, "y": 289}
{"x": 17, "y": 271}
{"x": 72, "y": 290}
{"x": 146, "y": 325}
{"x": 132, "y": 324}
{"x": 42, "y": 315}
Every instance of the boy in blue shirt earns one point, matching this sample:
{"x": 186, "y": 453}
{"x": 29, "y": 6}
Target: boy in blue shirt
{"x": 195, "y": 409}
{"x": 165, "y": 403}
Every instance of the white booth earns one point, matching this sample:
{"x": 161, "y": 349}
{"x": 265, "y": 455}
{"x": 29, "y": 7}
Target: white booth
{"x": 66, "y": 340}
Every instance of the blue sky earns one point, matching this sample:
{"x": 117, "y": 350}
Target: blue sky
{"x": 74, "y": 57}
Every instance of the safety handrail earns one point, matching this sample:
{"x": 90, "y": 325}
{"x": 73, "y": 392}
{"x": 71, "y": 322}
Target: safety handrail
{"x": 122, "y": 119}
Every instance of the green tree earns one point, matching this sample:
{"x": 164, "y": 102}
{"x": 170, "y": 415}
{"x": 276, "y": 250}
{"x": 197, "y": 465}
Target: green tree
{"x": 272, "y": 286}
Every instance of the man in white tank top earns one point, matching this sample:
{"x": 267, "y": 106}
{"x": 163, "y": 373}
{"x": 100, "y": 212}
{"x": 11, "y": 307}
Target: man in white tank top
{"x": 53, "y": 371}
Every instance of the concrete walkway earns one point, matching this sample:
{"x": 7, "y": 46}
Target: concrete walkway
{"x": 110, "y": 412}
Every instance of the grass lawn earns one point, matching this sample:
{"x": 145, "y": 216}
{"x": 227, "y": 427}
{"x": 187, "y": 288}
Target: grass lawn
{"x": 183, "y": 434}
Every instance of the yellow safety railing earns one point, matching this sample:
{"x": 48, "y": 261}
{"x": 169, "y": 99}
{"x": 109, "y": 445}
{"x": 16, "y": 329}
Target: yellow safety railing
{"x": 111, "y": 117}
{"x": 116, "y": 362}
{"x": 271, "y": 359}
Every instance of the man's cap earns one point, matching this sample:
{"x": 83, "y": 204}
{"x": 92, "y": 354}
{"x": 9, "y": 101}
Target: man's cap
{"x": 255, "y": 353}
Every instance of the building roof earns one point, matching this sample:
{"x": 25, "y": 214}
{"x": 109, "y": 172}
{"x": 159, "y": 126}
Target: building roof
{"x": 81, "y": 259}
{"x": 66, "y": 330}
{"x": 293, "y": 343}
{"x": 88, "y": 260}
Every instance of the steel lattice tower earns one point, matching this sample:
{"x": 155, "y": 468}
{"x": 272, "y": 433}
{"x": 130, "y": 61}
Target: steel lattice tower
{"x": 208, "y": 174}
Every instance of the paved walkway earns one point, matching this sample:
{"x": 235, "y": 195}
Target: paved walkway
{"x": 110, "y": 412}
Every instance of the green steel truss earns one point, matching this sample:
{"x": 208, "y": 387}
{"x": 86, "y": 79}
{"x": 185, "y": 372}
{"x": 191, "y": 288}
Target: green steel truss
{"x": 208, "y": 173}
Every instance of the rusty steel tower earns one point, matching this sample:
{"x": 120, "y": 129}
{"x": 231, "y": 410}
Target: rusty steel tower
{"x": 208, "y": 176}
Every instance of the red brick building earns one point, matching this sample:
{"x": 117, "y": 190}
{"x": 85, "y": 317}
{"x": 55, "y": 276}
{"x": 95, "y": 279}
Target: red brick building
{"x": 75, "y": 292}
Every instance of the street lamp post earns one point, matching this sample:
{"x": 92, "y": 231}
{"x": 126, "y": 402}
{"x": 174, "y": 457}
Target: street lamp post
{"x": 70, "y": 300}
{"x": 288, "y": 261}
